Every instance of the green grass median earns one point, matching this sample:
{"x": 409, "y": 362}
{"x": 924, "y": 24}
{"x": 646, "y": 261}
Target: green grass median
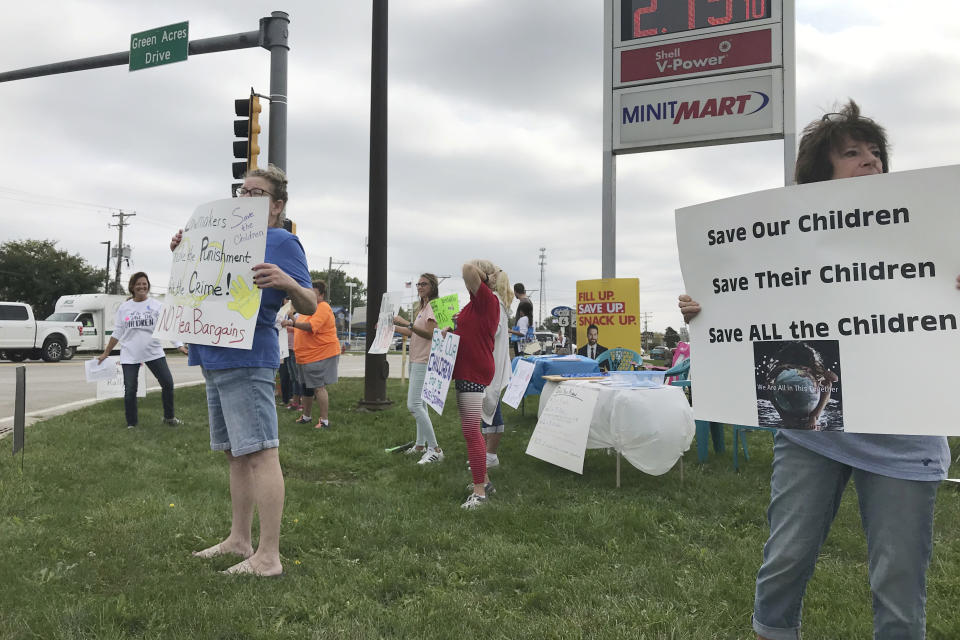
{"x": 96, "y": 534}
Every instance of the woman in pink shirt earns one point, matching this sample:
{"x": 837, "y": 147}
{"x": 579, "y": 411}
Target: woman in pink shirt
{"x": 420, "y": 332}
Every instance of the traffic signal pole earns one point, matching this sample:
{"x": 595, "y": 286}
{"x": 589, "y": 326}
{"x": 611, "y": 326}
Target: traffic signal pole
{"x": 273, "y": 34}
{"x": 276, "y": 30}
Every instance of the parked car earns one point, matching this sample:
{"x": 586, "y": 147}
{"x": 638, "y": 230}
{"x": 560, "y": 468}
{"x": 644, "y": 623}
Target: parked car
{"x": 659, "y": 353}
{"x": 22, "y": 336}
{"x": 545, "y": 338}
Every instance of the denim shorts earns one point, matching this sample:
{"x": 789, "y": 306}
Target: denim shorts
{"x": 243, "y": 412}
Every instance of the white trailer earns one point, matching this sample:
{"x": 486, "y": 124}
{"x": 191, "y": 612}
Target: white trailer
{"x": 95, "y": 311}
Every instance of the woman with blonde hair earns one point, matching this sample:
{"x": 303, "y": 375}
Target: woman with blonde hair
{"x": 420, "y": 332}
{"x": 493, "y": 427}
{"x": 475, "y": 367}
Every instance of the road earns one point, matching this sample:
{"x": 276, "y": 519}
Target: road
{"x": 56, "y": 387}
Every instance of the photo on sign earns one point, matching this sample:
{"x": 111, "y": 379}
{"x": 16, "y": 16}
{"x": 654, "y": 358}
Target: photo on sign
{"x": 798, "y": 384}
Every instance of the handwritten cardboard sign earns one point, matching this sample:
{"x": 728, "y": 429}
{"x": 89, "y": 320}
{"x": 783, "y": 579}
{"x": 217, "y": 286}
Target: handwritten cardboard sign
{"x": 518, "y": 383}
{"x": 444, "y": 309}
{"x": 113, "y": 387}
{"x": 385, "y": 329}
{"x": 560, "y": 436}
{"x": 443, "y": 355}
{"x": 211, "y": 298}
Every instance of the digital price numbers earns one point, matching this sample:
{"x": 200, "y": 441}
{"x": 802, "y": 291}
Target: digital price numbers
{"x": 645, "y": 18}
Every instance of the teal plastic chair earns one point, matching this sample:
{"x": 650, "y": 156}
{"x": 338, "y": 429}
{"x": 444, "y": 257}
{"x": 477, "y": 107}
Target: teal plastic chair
{"x": 706, "y": 431}
{"x": 740, "y": 439}
{"x": 714, "y": 429}
{"x": 621, "y": 359}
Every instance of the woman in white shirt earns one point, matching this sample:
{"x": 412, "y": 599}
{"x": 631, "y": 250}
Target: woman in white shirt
{"x": 133, "y": 330}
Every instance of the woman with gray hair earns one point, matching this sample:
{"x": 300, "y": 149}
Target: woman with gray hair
{"x": 240, "y": 389}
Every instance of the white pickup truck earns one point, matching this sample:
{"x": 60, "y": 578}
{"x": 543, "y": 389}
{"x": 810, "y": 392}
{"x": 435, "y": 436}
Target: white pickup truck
{"x": 22, "y": 336}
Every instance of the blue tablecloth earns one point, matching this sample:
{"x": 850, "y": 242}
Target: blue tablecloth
{"x": 557, "y": 366}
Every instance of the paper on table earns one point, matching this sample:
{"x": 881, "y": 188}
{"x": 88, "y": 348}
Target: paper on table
{"x": 100, "y": 371}
{"x": 518, "y": 383}
{"x": 560, "y": 436}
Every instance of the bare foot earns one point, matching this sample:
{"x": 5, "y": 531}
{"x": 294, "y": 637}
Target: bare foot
{"x": 248, "y": 567}
{"x": 223, "y": 549}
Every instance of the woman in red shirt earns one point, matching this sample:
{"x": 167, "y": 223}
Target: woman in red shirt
{"x": 474, "y": 368}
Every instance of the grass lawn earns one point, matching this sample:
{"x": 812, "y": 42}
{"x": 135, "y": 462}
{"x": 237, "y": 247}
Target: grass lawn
{"x": 96, "y": 534}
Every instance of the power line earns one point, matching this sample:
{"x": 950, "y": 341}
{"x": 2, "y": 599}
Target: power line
{"x": 52, "y": 201}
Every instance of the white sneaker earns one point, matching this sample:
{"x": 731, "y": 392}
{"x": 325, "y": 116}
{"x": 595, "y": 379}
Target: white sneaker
{"x": 492, "y": 460}
{"x": 474, "y": 502}
{"x": 431, "y": 455}
{"x": 412, "y": 450}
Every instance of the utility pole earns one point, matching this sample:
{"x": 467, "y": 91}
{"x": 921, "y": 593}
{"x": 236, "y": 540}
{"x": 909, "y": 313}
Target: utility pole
{"x": 106, "y": 272}
{"x": 330, "y": 276}
{"x": 543, "y": 263}
{"x": 645, "y": 316}
{"x": 376, "y": 368}
{"x": 120, "y": 225}
{"x": 350, "y": 285}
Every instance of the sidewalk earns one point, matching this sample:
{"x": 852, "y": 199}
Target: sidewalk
{"x": 351, "y": 366}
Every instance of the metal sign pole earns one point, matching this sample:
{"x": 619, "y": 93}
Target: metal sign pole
{"x": 19, "y": 412}
{"x": 789, "y": 92}
{"x": 608, "y": 223}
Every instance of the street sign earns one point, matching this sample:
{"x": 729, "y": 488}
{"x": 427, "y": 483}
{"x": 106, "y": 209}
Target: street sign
{"x": 159, "y": 46}
{"x": 563, "y": 321}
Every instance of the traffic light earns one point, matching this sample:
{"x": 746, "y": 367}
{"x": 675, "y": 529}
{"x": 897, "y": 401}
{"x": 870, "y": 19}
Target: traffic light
{"x": 248, "y": 128}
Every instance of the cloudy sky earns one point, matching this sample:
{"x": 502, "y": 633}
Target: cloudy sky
{"x": 495, "y": 131}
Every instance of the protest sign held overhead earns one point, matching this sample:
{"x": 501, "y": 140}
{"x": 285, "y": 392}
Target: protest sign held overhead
{"x": 811, "y": 294}
{"x": 211, "y": 298}
{"x": 444, "y": 309}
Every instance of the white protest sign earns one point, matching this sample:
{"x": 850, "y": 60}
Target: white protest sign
{"x": 814, "y": 296}
{"x": 384, "y": 338}
{"x": 211, "y": 298}
{"x": 443, "y": 355}
{"x": 113, "y": 386}
{"x": 105, "y": 370}
{"x": 518, "y": 383}
{"x": 560, "y": 436}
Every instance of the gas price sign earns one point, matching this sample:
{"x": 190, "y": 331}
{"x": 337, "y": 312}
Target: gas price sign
{"x": 645, "y": 18}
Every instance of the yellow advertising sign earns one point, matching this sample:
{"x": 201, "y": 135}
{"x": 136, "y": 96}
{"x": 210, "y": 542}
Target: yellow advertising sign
{"x": 613, "y": 306}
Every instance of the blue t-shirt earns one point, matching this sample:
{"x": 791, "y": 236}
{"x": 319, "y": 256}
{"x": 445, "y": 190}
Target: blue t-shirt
{"x": 285, "y": 251}
{"x": 895, "y": 456}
